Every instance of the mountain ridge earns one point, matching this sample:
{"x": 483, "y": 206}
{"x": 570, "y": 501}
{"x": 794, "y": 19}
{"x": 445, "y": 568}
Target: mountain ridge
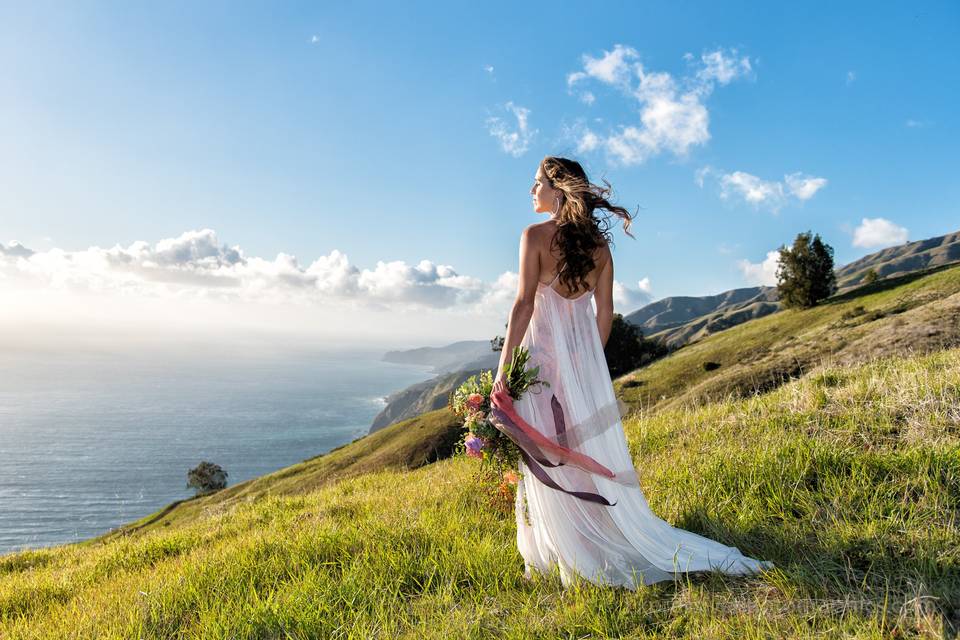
{"x": 678, "y": 320}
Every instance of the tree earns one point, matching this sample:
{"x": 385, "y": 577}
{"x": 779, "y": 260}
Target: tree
{"x": 496, "y": 342}
{"x": 870, "y": 276}
{"x": 206, "y": 477}
{"x": 627, "y": 349}
{"x": 805, "y": 272}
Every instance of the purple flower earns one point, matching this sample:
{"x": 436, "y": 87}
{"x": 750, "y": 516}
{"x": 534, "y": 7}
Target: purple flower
{"x": 474, "y": 445}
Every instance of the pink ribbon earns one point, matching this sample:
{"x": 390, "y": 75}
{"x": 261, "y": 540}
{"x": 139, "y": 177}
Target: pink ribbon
{"x": 532, "y": 443}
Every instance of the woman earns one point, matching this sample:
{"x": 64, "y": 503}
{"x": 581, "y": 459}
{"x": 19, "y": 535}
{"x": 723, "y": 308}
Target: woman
{"x": 596, "y": 525}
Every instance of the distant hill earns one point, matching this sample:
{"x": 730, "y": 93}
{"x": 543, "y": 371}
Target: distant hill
{"x": 430, "y": 394}
{"x": 904, "y": 258}
{"x": 679, "y": 320}
{"x": 451, "y": 357}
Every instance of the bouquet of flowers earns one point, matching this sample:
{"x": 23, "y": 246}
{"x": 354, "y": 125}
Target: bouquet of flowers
{"x": 498, "y": 434}
{"x": 498, "y": 454}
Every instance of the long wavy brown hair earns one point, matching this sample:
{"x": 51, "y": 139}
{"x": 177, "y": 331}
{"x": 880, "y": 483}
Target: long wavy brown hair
{"x": 579, "y": 232}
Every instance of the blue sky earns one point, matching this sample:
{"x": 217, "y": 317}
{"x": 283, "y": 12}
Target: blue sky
{"x": 375, "y": 159}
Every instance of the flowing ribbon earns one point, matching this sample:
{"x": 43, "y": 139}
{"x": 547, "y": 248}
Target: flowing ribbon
{"x": 532, "y": 445}
{"x": 559, "y": 421}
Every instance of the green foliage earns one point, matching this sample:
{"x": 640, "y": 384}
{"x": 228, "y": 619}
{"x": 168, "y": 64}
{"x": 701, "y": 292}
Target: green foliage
{"x": 627, "y": 349}
{"x": 805, "y": 272}
{"x": 206, "y": 477}
{"x": 519, "y": 378}
{"x": 870, "y": 276}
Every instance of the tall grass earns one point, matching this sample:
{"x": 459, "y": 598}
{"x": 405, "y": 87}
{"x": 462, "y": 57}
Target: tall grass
{"x": 848, "y": 479}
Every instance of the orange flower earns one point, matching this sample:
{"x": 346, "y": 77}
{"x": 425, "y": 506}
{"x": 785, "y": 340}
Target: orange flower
{"x": 474, "y": 401}
{"x": 510, "y": 476}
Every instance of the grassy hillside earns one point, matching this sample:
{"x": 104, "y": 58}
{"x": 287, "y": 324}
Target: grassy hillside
{"x": 848, "y": 479}
{"x": 911, "y": 313}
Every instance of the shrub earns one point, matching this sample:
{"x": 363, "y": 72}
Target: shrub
{"x": 206, "y": 477}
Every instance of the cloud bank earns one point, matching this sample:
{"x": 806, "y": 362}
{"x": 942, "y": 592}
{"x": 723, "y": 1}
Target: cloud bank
{"x": 196, "y": 281}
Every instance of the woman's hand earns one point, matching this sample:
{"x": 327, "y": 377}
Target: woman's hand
{"x": 500, "y": 384}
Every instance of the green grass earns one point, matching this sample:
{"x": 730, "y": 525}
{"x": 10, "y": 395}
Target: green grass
{"x": 913, "y": 313}
{"x": 848, "y": 479}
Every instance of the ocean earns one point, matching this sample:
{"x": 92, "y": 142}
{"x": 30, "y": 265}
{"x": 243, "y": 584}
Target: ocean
{"x": 93, "y": 439}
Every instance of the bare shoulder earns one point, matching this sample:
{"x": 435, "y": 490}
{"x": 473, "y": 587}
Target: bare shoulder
{"x": 606, "y": 256}
{"x": 540, "y": 232}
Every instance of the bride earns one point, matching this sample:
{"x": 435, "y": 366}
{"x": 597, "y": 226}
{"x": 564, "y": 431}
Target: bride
{"x": 588, "y": 519}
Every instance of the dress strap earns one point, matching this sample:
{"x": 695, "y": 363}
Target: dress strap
{"x": 554, "y": 279}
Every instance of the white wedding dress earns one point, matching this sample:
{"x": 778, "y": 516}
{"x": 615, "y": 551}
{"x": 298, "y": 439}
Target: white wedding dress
{"x": 625, "y": 544}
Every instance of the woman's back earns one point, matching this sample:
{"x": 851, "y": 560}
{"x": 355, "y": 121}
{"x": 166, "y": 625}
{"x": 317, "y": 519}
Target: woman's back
{"x": 550, "y": 262}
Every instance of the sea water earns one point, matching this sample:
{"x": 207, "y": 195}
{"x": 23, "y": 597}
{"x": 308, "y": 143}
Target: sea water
{"x": 90, "y": 440}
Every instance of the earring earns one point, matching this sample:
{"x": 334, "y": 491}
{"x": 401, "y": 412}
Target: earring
{"x": 557, "y": 208}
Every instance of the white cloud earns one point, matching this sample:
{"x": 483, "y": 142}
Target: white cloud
{"x": 752, "y": 189}
{"x": 916, "y": 124}
{"x": 629, "y": 299}
{"x": 878, "y": 232}
{"x": 804, "y": 187}
{"x": 611, "y": 68}
{"x": 673, "y": 117}
{"x": 723, "y": 68}
{"x": 769, "y": 194}
{"x": 701, "y": 173}
{"x": 514, "y": 141}
{"x": 315, "y": 39}
{"x": 588, "y": 142}
{"x": 851, "y": 76}
{"x": 761, "y": 273}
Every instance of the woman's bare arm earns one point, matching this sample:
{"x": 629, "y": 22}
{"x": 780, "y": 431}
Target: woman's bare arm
{"x": 603, "y": 295}
{"x": 522, "y": 309}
